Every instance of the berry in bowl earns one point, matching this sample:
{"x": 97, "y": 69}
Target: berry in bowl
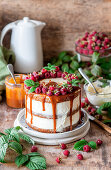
{"x": 94, "y": 42}
{"x": 103, "y": 88}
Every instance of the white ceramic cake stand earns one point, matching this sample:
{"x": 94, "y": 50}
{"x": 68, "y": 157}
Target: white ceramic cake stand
{"x": 50, "y": 138}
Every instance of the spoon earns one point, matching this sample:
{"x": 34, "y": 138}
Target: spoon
{"x": 10, "y": 67}
{"x": 87, "y": 79}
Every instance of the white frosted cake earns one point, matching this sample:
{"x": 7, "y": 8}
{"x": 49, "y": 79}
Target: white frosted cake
{"x": 52, "y": 101}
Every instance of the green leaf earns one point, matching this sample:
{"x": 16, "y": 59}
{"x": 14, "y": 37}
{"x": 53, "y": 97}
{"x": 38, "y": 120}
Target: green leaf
{"x": 32, "y": 89}
{"x": 71, "y": 71}
{"x": 92, "y": 144}
{"x": 34, "y": 154}
{"x": 65, "y": 67}
{"x": 109, "y": 112}
{"x": 103, "y": 107}
{"x": 58, "y": 62}
{"x": 26, "y": 138}
{"x": 29, "y": 82}
{"x": 1, "y": 134}
{"x": 106, "y": 121}
{"x": 16, "y": 147}
{"x": 8, "y": 131}
{"x": 75, "y": 82}
{"x": 80, "y": 144}
{"x": 53, "y": 60}
{"x": 95, "y": 57}
{"x": 74, "y": 65}
{"x": 3, "y": 147}
{"x": 67, "y": 58}
{"x": 62, "y": 54}
{"x": 96, "y": 70}
{"x": 36, "y": 163}
{"x": 21, "y": 159}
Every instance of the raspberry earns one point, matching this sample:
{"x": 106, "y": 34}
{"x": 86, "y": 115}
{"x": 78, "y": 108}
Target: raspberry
{"x": 47, "y": 75}
{"x": 98, "y": 42}
{"x": 33, "y": 78}
{"x": 97, "y": 48}
{"x": 93, "y": 110}
{"x": 59, "y": 74}
{"x": 81, "y": 45}
{"x": 26, "y": 78}
{"x": 57, "y": 92}
{"x": 63, "y": 91}
{"x": 99, "y": 142}
{"x": 86, "y": 100}
{"x": 85, "y": 51}
{"x": 80, "y": 156}
{"x": 44, "y": 90}
{"x": 63, "y": 146}
{"x": 91, "y": 52}
{"x": 89, "y": 108}
{"x": 38, "y": 90}
{"x": 53, "y": 74}
{"x": 51, "y": 88}
{"x": 58, "y": 160}
{"x": 44, "y": 70}
{"x": 106, "y": 46}
{"x": 82, "y": 105}
{"x": 86, "y": 148}
{"x": 42, "y": 75}
{"x": 49, "y": 93}
{"x": 107, "y": 40}
{"x": 57, "y": 68}
{"x": 34, "y": 149}
{"x": 66, "y": 153}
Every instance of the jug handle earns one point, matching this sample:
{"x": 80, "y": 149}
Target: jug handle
{"x": 5, "y": 30}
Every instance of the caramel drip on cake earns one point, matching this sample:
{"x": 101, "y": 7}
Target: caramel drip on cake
{"x": 53, "y": 102}
{"x": 31, "y": 109}
{"x": 43, "y": 103}
{"x": 71, "y": 105}
{"x": 26, "y": 105}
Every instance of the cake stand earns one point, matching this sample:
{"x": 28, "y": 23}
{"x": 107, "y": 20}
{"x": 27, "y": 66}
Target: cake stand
{"x": 53, "y": 138}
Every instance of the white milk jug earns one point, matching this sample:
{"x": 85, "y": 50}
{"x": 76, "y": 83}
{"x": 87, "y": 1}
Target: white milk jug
{"x": 26, "y": 44}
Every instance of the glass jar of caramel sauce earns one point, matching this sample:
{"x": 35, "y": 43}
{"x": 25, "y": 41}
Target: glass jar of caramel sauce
{"x": 15, "y": 93}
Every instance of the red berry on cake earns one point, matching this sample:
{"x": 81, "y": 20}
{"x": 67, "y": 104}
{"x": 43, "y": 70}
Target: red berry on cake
{"x": 44, "y": 90}
{"x": 53, "y": 74}
{"x": 63, "y": 91}
{"x": 33, "y": 78}
{"x": 66, "y": 153}
{"x": 44, "y": 70}
{"x": 34, "y": 149}
{"x": 51, "y": 88}
{"x": 80, "y": 156}
{"x": 63, "y": 146}
{"x": 38, "y": 90}
{"x": 59, "y": 74}
{"x": 47, "y": 75}
{"x": 57, "y": 68}
{"x": 87, "y": 148}
{"x": 58, "y": 160}
{"x": 93, "y": 110}
{"x": 49, "y": 93}
{"x": 89, "y": 109}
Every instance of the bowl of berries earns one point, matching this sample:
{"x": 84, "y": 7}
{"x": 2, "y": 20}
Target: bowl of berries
{"x": 94, "y": 42}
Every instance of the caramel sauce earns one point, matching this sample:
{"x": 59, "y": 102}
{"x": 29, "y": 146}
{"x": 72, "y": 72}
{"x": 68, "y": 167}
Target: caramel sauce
{"x": 54, "y": 100}
{"x": 31, "y": 96}
{"x": 26, "y": 105}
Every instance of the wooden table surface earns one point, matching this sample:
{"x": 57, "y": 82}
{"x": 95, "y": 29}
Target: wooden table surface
{"x": 99, "y": 159}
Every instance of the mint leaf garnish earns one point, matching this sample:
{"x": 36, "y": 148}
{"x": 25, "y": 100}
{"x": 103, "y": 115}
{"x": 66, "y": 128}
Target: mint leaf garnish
{"x": 26, "y": 138}
{"x": 21, "y": 159}
{"x": 80, "y": 144}
{"x": 16, "y": 147}
{"x": 50, "y": 67}
{"x": 105, "y": 106}
{"x": 32, "y": 89}
{"x": 75, "y": 82}
{"x": 36, "y": 163}
{"x": 3, "y": 147}
{"x": 92, "y": 144}
{"x": 29, "y": 82}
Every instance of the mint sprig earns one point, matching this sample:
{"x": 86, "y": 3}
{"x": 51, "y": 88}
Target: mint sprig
{"x": 75, "y": 82}
{"x": 50, "y": 67}
{"x": 11, "y": 140}
{"x": 32, "y": 84}
{"x": 80, "y": 144}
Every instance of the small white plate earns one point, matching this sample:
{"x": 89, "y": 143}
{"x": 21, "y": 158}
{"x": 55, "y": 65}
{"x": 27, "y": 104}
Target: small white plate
{"x": 81, "y": 128}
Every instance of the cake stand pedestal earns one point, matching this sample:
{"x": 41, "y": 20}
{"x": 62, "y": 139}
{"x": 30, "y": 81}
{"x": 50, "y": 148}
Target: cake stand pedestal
{"x": 53, "y": 138}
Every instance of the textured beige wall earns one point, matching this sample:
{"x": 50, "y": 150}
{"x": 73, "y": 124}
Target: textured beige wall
{"x": 66, "y": 19}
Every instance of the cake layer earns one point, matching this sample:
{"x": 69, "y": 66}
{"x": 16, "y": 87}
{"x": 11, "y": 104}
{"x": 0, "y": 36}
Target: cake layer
{"x": 61, "y": 108}
{"x": 48, "y": 124}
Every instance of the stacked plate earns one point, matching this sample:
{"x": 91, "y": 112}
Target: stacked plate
{"x": 53, "y": 138}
